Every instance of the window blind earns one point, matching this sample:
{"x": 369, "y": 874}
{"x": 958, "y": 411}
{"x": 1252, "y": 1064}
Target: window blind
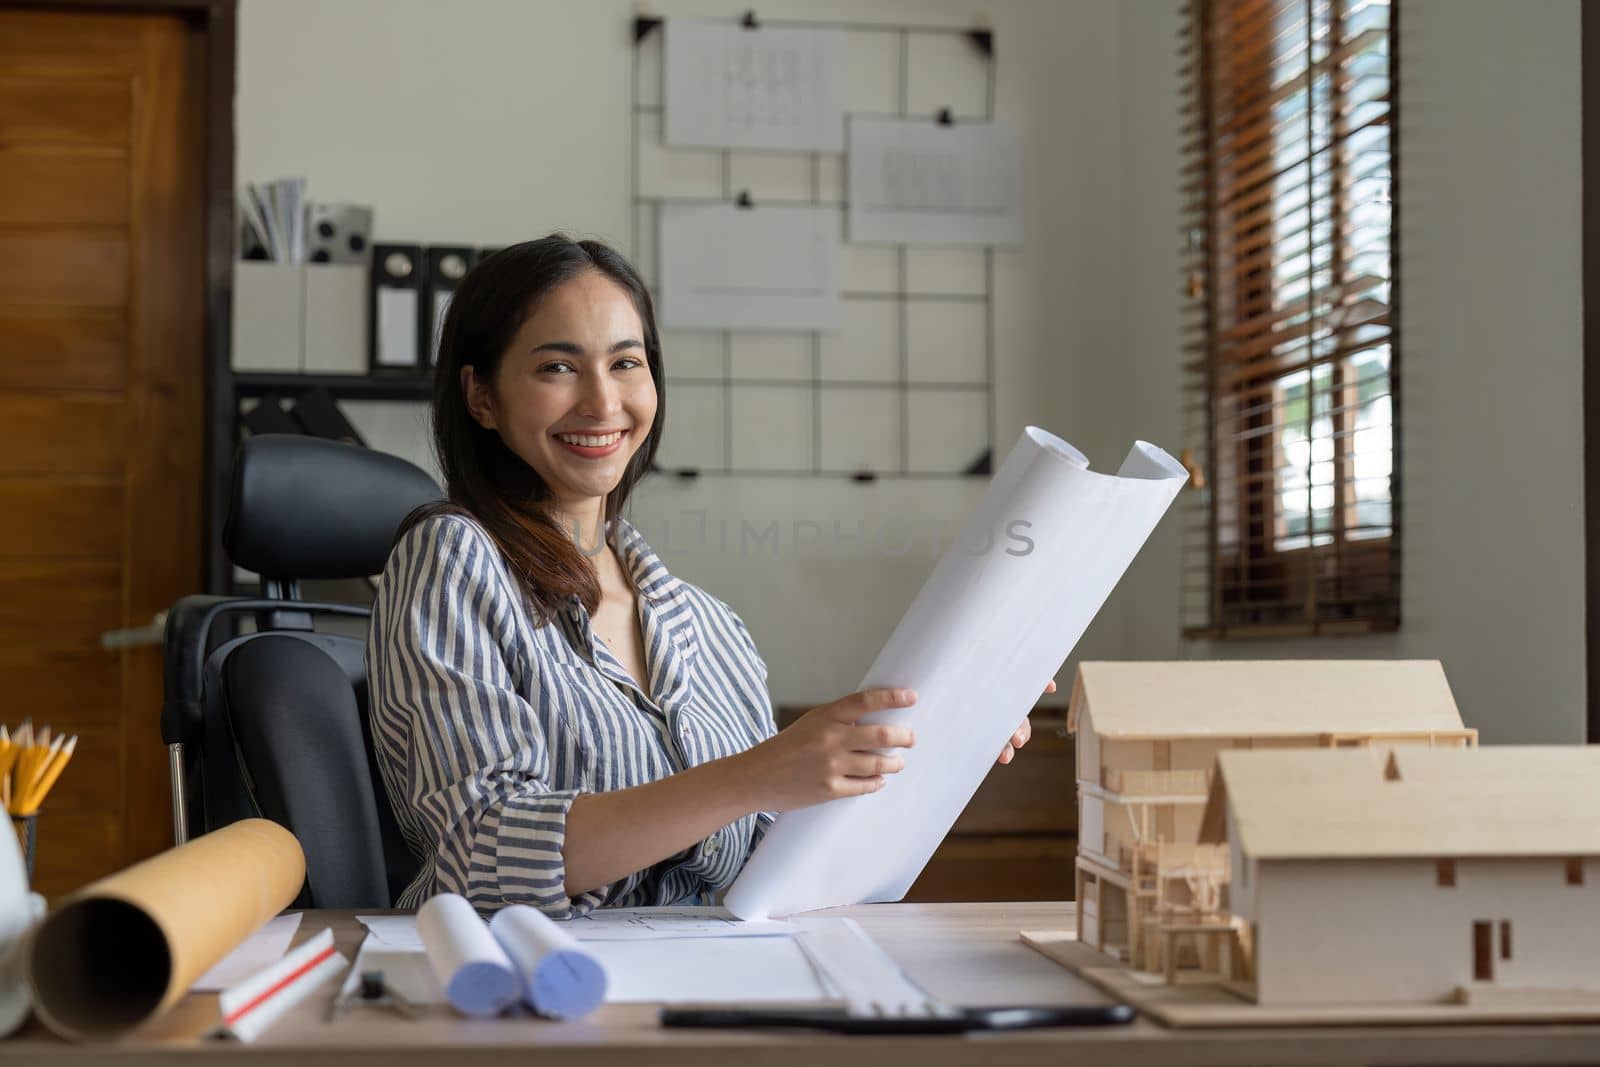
{"x": 1291, "y": 370}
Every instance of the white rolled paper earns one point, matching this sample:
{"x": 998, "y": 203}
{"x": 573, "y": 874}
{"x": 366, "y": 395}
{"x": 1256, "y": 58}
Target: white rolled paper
{"x": 560, "y": 978}
{"x": 994, "y": 622}
{"x": 477, "y": 976}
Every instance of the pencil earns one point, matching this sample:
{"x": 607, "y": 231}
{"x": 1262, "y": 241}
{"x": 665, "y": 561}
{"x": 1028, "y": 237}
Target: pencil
{"x": 58, "y": 763}
{"x": 40, "y": 764}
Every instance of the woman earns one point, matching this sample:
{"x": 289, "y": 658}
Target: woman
{"x": 559, "y": 721}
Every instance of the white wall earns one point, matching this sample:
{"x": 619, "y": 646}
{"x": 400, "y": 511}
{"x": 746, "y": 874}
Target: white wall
{"x": 487, "y": 121}
{"x": 1349, "y": 931}
{"x": 1491, "y": 334}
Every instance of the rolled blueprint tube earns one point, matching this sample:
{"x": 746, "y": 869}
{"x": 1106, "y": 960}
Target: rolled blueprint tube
{"x": 123, "y": 950}
{"x": 560, "y": 978}
{"x": 1000, "y": 613}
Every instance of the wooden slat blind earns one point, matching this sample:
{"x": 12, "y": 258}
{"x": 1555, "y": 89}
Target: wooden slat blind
{"x": 1290, "y": 350}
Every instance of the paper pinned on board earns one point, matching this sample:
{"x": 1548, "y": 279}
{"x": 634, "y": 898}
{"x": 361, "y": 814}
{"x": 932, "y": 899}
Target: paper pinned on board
{"x": 726, "y": 86}
{"x": 767, "y": 267}
{"x": 266, "y": 946}
{"x": 995, "y": 620}
{"x": 916, "y": 182}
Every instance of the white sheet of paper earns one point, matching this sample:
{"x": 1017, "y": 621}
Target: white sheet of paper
{"x": 266, "y": 946}
{"x": 394, "y": 931}
{"x": 993, "y": 623}
{"x": 405, "y": 970}
{"x": 655, "y": 924}
{"x": 770, "y": 267}
{"x": 731, "y": 87}
{"x": 915, "y": 182}
{"x": 610, "y": 924}
{"x": 397, "y": 327}
{"x": 865, "y": 976}
{"x": 736, "y": 970}
{"x": 730, "y": 970}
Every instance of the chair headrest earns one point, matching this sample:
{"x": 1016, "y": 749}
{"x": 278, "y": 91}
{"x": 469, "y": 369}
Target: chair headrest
{"x": 306, "y": 507}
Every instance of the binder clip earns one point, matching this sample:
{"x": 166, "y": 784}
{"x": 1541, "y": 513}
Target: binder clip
{"x": 749, "y": 21}
{"x": 744, "y": 200}
{"x": 944, "y": 118}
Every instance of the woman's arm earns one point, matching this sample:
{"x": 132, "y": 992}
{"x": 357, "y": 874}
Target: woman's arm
{"x": 824, "y": 755}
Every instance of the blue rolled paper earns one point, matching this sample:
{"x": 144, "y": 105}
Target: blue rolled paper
{"x": 478, "y": 978}
{"x": 560, "y": 978}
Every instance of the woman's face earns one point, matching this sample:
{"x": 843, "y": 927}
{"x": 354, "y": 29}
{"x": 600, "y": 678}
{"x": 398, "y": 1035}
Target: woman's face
{"x": 573, "y": 395}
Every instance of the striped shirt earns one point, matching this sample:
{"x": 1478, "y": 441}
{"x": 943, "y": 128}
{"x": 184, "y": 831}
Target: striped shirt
{"x": 488, "y": 726}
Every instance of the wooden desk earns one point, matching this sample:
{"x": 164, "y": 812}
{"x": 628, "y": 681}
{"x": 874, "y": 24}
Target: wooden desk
{"x": 963, "y": 953}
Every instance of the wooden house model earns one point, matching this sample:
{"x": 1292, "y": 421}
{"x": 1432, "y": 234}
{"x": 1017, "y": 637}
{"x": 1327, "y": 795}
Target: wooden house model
{"x": 1148, "y": 737}
{"x": 1413, "y": 875}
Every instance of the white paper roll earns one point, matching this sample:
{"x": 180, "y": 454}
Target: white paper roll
{"x": 560, "y": 978}
{"x": 994, "y": 622}
{"x": 474, "y": 970}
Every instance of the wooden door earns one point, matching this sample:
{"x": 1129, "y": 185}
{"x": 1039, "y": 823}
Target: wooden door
{"x": 101, "y": 394}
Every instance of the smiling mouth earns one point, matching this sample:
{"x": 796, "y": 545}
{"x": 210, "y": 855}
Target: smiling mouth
{"x": 591, "y": 440}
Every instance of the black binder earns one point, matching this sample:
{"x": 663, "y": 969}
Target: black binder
{"x": 395, "y": 308}
{"x": 447, "y": 266}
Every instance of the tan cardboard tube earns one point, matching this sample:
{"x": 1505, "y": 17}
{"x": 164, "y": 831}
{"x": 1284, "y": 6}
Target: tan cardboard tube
{"x": 124, "y": 949}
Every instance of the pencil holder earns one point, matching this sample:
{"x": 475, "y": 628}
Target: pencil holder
{"x": 27, "y": 827}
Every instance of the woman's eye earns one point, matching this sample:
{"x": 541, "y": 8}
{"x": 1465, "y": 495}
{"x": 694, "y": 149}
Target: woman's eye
{"x": 555, "y": 368}
{"x": 627, "y": 363}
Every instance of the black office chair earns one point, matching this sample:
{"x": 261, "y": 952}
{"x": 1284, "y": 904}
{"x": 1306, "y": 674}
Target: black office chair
{"x": 273, "y": 723}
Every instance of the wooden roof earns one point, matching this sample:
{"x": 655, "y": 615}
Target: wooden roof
{"x": 1496, "y": 800}
{"x": 1263, "y": 698}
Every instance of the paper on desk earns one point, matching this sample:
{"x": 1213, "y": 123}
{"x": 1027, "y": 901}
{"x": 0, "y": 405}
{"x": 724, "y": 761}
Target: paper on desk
{"x": 915, "y": 182}
{"x": 405, "y": 970}
{"x": 641, "y": 966}
{"x": 735, "y": 970}
{"x": 611, "y": 924}
{"x": 865, "y": 976}
{"x": 768, "y": 267}
{"x": 993, "y": 623}
{"x": 653, "y": 924}
{"x": 266, "y": 946}
{"x": 776, "y": 87}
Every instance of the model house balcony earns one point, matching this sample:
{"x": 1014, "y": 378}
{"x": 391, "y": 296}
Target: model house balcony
{"x": 1152, "y": 787}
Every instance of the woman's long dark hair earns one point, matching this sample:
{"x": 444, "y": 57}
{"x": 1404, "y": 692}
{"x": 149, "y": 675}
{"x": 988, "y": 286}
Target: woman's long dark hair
{"x": 483, "y": 477}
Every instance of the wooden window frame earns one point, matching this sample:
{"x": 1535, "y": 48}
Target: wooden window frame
{"x": 1257, "y": 586}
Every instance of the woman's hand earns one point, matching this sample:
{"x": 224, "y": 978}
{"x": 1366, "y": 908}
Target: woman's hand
{"x": 827, "y": 754}
{"x": 1024, "y": 732}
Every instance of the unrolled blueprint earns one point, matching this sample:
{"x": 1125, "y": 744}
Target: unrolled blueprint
{"x": 994, "y": 622}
